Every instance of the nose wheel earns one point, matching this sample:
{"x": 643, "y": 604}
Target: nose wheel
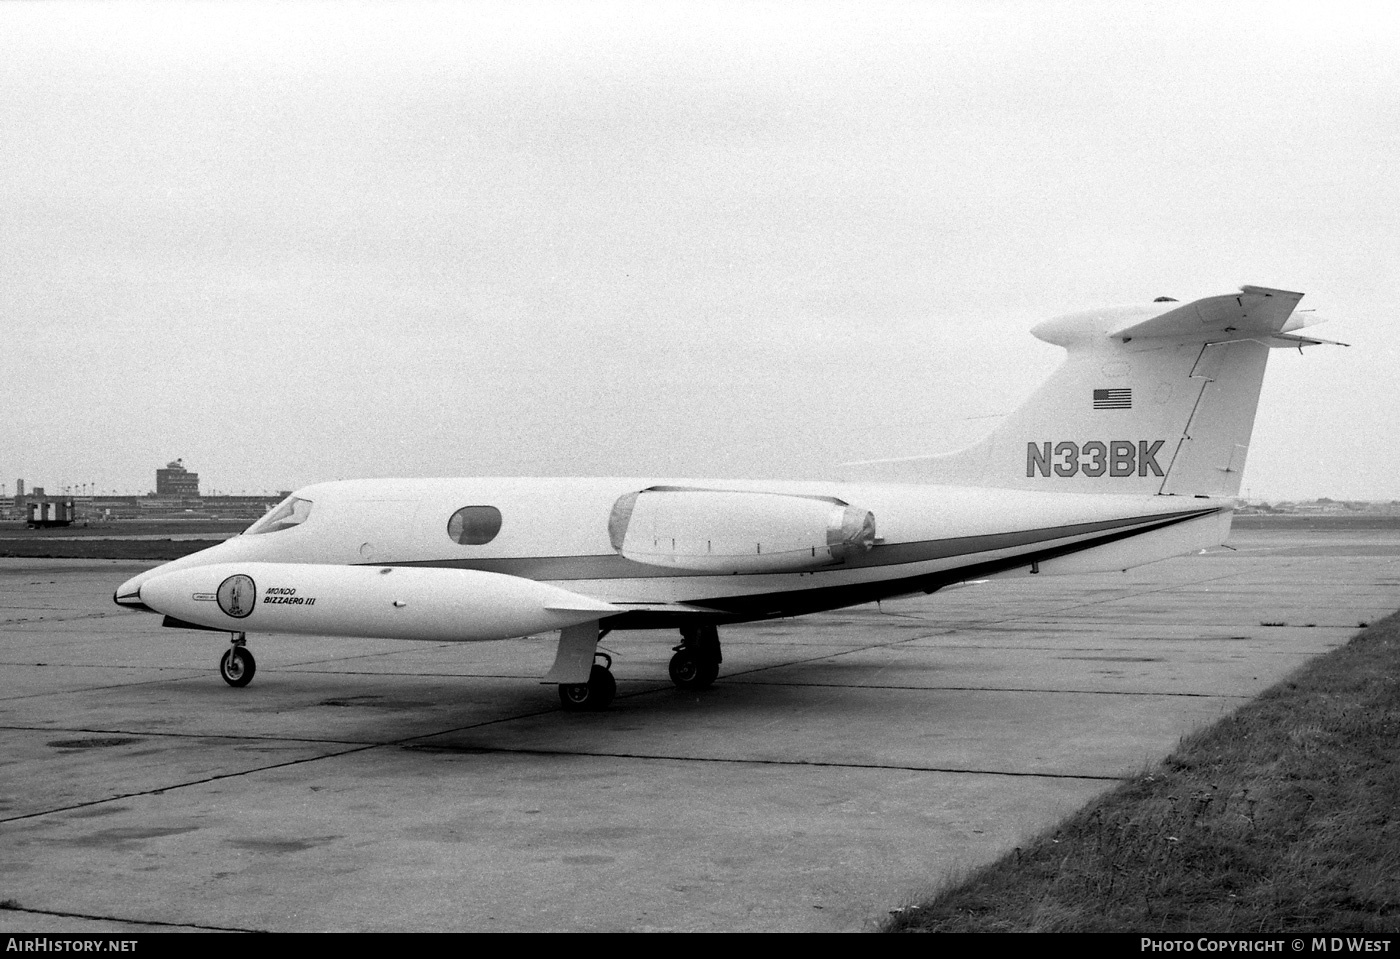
{"x": 593, "y": 696}
{"x": 238, "y": 665}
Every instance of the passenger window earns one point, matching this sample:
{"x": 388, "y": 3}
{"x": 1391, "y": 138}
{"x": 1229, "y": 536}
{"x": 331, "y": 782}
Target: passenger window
{"x": 474, "y": 525}
{"x": 291, "y": 512}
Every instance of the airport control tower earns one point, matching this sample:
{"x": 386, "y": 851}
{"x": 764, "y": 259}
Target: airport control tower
{"x": 175, "y": 480}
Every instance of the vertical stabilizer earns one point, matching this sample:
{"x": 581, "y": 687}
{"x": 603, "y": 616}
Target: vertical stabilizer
{"x": 1158, "y": 398}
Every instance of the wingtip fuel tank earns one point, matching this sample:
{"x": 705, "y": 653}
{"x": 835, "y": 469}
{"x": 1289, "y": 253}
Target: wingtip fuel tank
{"x": 444, "y": 605}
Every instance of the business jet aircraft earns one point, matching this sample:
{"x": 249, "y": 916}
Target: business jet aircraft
{"x": 1130, "y": 453}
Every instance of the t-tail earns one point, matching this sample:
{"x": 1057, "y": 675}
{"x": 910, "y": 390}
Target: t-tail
{"x": 1152, "y": 399}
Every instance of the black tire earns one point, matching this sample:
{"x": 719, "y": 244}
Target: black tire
{"x": 690, "y": 671}
{"x": 593, "y": 696}
{"x": 238, "y": 666}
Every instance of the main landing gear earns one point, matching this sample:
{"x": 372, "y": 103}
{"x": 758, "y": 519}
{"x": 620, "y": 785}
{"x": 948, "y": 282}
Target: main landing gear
{"x": 695, "y": 665}
{"x": 697, "y": 659}
{"x": 596, "y": 694}
{"x": 238, "y": 665}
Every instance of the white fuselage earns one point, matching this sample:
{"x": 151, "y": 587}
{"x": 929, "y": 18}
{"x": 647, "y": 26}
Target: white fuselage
{"x": 556, "y": 532}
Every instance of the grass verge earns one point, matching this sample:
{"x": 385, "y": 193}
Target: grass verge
{"x": 1279, "y": 818}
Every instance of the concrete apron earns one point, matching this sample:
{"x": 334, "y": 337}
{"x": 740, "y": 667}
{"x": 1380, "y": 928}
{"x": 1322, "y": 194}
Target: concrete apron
{"x": 842, "y": 765}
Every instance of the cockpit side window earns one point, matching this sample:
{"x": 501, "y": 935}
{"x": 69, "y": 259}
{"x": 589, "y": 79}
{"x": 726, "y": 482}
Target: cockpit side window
{"x": 474, "y": 525}
{"x": 292, "y": 512}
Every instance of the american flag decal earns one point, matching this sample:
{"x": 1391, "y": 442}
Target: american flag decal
{"x": 1113, "y": 399}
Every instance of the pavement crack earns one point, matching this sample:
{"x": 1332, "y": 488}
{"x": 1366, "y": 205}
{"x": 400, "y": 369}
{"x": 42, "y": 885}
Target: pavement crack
{"x": 133, "y": 922}
{"x": 811, "y": 763}
{"x": 158, "y": 790}
{"x": 998, "y": 689}
{"x": 234, "y": 737}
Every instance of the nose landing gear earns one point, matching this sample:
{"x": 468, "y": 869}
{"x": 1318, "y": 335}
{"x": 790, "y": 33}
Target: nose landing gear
{"x": 238, "y": 665}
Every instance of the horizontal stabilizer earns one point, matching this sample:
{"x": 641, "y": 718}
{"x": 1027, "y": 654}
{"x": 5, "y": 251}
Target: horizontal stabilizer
{"x": 1253, "y": 313}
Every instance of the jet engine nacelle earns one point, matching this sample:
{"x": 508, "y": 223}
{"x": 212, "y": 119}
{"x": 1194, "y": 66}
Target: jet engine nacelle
{"x": 725, "y": 531}
{"x": 391, "y": 602}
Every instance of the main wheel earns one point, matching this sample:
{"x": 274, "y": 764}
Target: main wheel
{"x": 692, "y": 671}
{"x": 238, "y": 666}
{"x": 595, "y": 695}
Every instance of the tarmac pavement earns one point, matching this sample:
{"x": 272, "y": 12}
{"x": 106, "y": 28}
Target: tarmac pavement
{"x": 842, "y": 765}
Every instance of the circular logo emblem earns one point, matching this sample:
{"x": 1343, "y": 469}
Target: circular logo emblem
{"x": 238, "y": 596}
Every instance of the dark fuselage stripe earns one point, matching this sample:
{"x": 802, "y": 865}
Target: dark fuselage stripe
{"x": 613, "y": 566}
{"x": 739, "y": 609}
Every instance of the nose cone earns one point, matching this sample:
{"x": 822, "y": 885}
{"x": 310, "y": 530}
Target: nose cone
{"x": 128, "y": 594}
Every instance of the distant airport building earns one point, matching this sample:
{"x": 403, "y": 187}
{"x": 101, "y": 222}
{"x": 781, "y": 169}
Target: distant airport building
{"x": 176, "y": 497}
{"x": 151, "y": 506}
{"x": 175, "y": 480}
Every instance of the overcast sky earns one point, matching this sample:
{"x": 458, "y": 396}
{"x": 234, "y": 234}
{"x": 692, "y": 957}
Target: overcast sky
{"x": 301, "y": 242}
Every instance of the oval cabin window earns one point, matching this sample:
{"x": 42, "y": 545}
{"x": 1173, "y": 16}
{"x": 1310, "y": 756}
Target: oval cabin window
{"x": 474, "y": 525}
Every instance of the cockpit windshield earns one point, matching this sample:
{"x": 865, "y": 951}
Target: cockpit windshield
{"x": 291, "y": 512}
